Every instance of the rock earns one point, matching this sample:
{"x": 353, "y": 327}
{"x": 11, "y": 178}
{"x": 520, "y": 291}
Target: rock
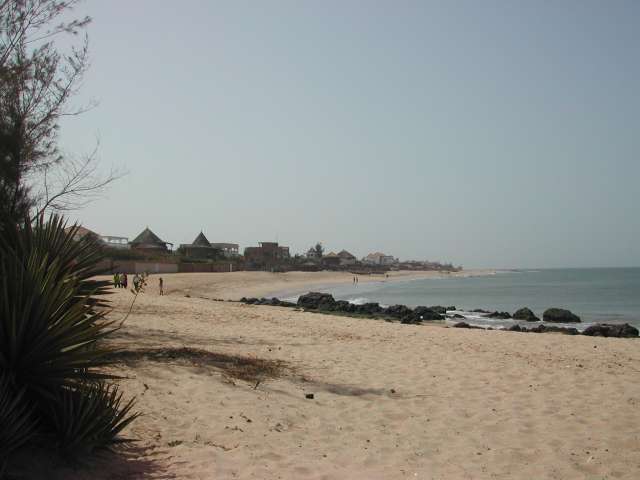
{"x": 310, "y": 396}
{"x": 452, "y": 307}
{"x": 342, "y": 306}
{"x": 439, "y": 309}
{"x": 410, "y": 320}
{"x": 398, "y": 311}
{"x": 559, "y": 315}
{"x": 515, "y": 328}
{"x": 284, "y": 303}
{"x": 500, "y": 315}
{"x": 525, "y": 314}
{"x": 251, "y": 301}
{"x": 553, "y": 329}
{"x": 369, "y": 308}
{"x": 611, "y": 330}
{"x": 316, "y": 301}
{"x": 466, "y": 325}
{"x": 479, "y": 310}
{"x": 427, "y": 313}
{"x": 455, "y": 315}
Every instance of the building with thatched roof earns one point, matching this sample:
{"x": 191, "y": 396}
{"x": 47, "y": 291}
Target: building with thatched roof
{"x": 331, "y": 259}
{"x": 347, "y": 258}
{"x": 200, "y": 248}
{"x": 80, "y": 232}
{"x": 149, "y": 242}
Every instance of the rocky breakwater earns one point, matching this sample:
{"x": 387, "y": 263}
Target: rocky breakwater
{"x": 557, "y": 315}
{"x": 325, "y": 303}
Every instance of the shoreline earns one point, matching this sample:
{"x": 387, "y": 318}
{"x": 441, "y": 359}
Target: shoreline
{"x": 235, "y": 285}
{"x": 399, "y": 277}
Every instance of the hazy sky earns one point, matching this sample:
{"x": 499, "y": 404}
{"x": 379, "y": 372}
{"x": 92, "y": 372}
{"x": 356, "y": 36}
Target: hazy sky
{"x": 489, "y": 134}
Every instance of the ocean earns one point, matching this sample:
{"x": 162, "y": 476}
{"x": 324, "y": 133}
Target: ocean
{"x": 610, "y": 295}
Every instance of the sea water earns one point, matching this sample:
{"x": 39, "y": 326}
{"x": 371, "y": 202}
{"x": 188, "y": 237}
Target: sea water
{"x": 605, "y": 295}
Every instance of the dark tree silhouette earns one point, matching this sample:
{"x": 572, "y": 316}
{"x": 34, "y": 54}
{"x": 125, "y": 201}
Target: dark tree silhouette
{"x": 37, "y": 81}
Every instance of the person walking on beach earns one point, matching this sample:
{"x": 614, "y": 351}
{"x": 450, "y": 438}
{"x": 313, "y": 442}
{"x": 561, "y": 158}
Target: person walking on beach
{"x": 116, "y": 280}
{"x": 161, "y": 285}
{"x": 123, "y": 280}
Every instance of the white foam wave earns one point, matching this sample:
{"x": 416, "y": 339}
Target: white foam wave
{"x": 359, "y": 300}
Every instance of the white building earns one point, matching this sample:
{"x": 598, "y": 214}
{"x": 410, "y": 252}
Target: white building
{"x": 115, "y": 242}
{"x": 379, "y": 258}
{"x": 228, "y": 249}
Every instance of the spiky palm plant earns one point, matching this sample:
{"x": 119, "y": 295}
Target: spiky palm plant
{"x": 52, "y": 321}
{"x": 17, "y": 422}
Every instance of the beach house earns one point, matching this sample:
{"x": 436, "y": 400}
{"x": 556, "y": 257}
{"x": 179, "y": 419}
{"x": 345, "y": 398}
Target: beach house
{"x": 229, "y": 250}
{"x": 200, "y": 248}
{"x": 379, "y": 258}
{"x": 266, "y": 254}
{"x": 149, "y": 242}
{"x": 347, "y": 258}
{"x": 331, "y": 259}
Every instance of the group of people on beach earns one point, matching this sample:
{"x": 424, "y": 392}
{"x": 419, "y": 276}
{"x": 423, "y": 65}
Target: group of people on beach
{"x": 120, "y": 280}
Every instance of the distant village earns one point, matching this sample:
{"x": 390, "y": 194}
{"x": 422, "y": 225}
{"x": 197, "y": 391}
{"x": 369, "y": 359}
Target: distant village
{"x": 149, "y": 253}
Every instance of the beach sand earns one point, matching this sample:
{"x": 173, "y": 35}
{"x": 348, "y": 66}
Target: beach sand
{"x": 390, "y": 401}
{"x": 233, "y": 286}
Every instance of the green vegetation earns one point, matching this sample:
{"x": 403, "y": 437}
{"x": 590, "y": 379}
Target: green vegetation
{"x": 54, "y": 390}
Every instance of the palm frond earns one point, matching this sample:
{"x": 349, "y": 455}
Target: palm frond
{"x": 90, "y": 417}
{"x": 17, "y": 423}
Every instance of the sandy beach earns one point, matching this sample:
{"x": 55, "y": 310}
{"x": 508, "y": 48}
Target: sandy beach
{"x": 390, "y": 401}
{"x": 233, "y": 286}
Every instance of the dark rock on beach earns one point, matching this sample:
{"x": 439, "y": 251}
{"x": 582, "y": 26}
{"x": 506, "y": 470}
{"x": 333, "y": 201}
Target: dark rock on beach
{"x": 499, "y": 315}
{"x": 343, "y": 306}
{"x": 552, "y": 329}
{"x": 466, "y": 325}
{"x": 398, "y": 311}
{"x": 316, "y": 301}
{"x": 439, "y": 309}
{"x": 525, "y": 314}
{"x": 369, "y": 308}
{"x": 480, "y": 310}
{"x": 543, "y": 329}
{"x": 410, "y": 320}
{"x": 427, "y": 313}
{"x": 611, "y": 330}
{"x": 560, "y": 315}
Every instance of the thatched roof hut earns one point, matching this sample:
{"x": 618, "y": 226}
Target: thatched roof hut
{"x": 200, "y": 248}
{"x": 147, "y": 240}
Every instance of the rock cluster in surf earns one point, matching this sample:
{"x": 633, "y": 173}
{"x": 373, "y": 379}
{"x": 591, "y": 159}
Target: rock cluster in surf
{"x": 325, "y": 303}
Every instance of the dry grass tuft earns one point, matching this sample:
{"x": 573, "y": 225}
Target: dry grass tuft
{"x": 249, "y": 369}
